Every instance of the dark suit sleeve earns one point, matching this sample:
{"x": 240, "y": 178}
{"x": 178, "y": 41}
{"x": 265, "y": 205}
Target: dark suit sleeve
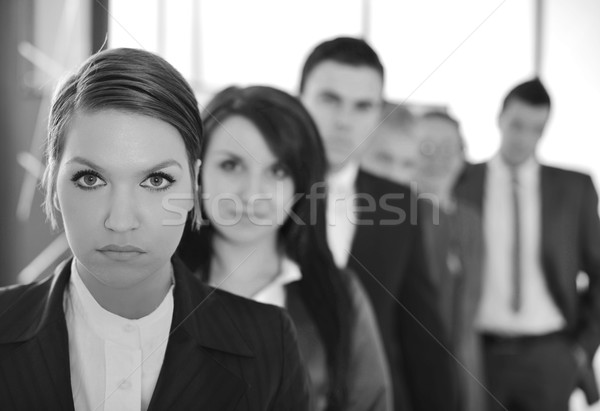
{"x": 589, "y": 336}
{"x": 293, "y": 393}
{"x": 429, "y": 368}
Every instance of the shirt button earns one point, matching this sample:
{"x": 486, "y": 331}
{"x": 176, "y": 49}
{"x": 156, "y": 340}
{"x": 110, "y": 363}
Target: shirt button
{"x": 129, "y": 328}
{"x": 125, "y": 385}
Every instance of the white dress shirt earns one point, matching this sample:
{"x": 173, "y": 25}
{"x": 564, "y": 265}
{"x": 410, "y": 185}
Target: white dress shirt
{"x": 115, "y": 361}
{"x": 539, "y": 313}
{"x": 341, "y": 212}
{"x": 274, "y": 292}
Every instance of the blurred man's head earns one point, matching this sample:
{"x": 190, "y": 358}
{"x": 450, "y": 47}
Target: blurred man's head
{"x": 441, "y": 149}
{"x": 342, "y": 86}
{"x": 393, "y": 151}
{"x": 522, "y": 120}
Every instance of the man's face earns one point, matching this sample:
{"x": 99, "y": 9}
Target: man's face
{"x": 345, "y": 102}
{"x": 521, "y": 127}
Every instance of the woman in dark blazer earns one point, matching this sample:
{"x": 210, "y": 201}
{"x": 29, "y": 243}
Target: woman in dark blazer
{"x": 265, "y": 239}
{"x": 122, "y": 325}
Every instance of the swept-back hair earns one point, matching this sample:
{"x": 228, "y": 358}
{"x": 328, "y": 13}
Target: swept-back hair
{"x": 345, "y": 50}
{"x": 129, "y": 80}
{"x": 531, "y": 92}
{"x": 292, "y": 136}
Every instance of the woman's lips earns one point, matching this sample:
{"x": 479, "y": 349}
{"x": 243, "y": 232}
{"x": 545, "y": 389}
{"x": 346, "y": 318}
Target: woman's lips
{"x": 121, "y": 252}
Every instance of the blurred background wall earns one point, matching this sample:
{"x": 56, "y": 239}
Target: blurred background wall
{"x": 39, "y": 42}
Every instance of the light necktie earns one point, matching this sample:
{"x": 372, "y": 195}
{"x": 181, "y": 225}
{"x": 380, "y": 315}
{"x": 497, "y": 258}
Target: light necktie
{"x": 516, "y": 249}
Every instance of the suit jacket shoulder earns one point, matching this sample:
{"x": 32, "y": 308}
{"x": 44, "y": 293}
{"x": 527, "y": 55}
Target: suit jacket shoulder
{"x": 570, "y": 178}
{"x": 223, "y": 352}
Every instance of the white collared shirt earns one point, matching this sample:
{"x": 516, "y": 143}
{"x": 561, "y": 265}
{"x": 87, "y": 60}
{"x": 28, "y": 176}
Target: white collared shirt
{"x": 539, "y": 313}
{"x": 274, "y": 292}
{"x": 341, "y": 212}
{"x": 115, "y": 361}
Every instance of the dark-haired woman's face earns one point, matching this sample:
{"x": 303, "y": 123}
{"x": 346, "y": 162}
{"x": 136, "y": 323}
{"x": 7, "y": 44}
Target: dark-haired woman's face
{"x": 124, "y": 189}
{"x": 247, "y": 192}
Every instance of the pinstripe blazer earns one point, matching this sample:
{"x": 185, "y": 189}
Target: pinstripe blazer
{"x": 224, "y": 352}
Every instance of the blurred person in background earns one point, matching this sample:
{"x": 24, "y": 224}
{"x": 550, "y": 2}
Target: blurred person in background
{"x": 265, "y": 239}
{"x": 392, "y": 153}
{"x": 453, "y": 239}
{"x": 372, "y": 229}
{"x": 541, "y": 230}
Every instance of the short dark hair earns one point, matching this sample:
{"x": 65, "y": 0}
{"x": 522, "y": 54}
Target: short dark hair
{"x": 130, "y": 80}
{"x": 346, "y": 50}
{"x": 531, "y": 92}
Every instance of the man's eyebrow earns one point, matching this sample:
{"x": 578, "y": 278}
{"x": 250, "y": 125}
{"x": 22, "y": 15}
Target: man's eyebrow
{"x": 365, "y": 103}
{"x": 330, "y": 94}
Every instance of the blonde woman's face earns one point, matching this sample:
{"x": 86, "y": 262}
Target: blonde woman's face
{"x": 124, "y": 188}
{"x": 393, "y": 154}
{"x": 440, "y": 149}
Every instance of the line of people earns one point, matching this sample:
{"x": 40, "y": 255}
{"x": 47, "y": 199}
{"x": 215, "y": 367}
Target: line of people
{"x": 513, "y": 245}
{"x": 389, "y": 297}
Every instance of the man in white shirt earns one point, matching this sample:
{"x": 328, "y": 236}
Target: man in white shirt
{"x": 541, "y": 229}
{"x": 372, "y": 223}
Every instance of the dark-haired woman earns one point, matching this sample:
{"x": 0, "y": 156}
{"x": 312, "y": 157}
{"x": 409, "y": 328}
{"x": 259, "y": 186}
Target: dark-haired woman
{"x": 265, "y": 239}
{"x": 122, "y": 326}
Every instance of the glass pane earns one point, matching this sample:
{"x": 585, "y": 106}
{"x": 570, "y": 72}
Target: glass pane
{"x": 266, "y": 41}
{"x": 463, "y": 54}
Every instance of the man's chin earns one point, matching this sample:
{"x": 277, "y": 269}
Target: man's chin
{"x": 337, "y": 161}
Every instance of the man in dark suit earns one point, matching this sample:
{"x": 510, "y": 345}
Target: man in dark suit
{"x": 541, "y": 229}
{"x": 372, "y": 223}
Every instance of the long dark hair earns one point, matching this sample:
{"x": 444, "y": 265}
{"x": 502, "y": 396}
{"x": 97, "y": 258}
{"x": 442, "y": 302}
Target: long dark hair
{"x": 294, "y": 139}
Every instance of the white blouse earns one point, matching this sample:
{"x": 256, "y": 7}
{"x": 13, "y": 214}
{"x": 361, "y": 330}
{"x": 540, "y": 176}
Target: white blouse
{"x": 115, "y": 361}
{"x": 274, "y": 292}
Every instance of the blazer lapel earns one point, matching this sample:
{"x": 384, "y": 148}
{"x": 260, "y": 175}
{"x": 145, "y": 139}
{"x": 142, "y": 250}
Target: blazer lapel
{"x": 55, "y": 349}
{"x": 550, "y": 197}
{"x": 193, "y": 379}
{"x": 43, "y": 355}
{"x": 201, "y": 366}
{"x": 359, "y": 186}
{"x": 471, "y": 185}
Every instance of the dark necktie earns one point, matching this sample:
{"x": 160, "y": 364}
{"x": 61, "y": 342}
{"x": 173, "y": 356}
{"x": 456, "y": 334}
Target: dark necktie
{"x": 516, "y": 250}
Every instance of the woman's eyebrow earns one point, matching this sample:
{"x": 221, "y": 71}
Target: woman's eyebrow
{"x": 164, "y": 164}
{"x": 228, "y": 152}
{"x": 85, "y": 162}
{"x": 91, "y": 164}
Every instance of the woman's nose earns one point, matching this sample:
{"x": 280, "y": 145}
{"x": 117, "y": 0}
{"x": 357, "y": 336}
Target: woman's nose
{"x": 122, "y": 214}
{"x": 253, "y": 186}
